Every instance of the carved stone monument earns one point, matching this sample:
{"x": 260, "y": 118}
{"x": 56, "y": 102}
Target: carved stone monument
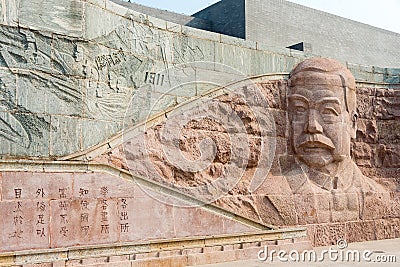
{"x": 323, "y": 119}
{"x": 133, "y": 141}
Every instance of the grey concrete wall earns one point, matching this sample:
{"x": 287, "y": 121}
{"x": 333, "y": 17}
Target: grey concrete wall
{"x": 227, "y": 17}
{"x": 281, "y": 23}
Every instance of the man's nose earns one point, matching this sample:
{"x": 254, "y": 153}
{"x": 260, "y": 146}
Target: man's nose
{"x": 312, "y": 126}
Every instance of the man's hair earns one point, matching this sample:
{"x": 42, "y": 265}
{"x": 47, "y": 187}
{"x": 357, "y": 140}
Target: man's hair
{"x": 330, "y": 67}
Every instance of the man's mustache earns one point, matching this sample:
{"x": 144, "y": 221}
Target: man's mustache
{"x": 316, "y": 140}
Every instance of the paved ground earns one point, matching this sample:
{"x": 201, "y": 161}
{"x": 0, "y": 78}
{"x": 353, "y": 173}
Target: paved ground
{"x": 374, "y": 251}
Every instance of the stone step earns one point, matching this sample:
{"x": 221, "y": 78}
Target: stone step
{"x": 165, "y": 253}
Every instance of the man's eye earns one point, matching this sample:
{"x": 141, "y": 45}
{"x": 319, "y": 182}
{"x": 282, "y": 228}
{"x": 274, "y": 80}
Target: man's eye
{"x": 330, "y": 111}
{"x": 300, "y": 109}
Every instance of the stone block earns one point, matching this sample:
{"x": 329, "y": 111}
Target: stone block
{"x": 212, "y": 257}
{"x": 66, "y": 134}
{"x": 113, "y": 264}
{"x": 247, "y": 245}
{"x": 238, "y": 58}
{"x": 386, "y": 229}
{"x": 95, "y": 132}
{"x": 157, "y": 23}
{"x": 228, "y": 247}
{"x": 145, "y": 218}
{"x": 9, "y": 11}
{"x": 226, "y": 39}
{"x": 196, "y": 222}
{"x": 119, "y": 258}
{"x": 169, "y": 253}
{"x": 179, "y": 87}
{"x": 46, "y": 264}
{"x": 388, "y": 131}
{"x": 99, "y": 3}
{"x": 378, "y": 77}
{"x": 231, "y": 227}
{"x": 367, "y": 131}
{"x": 393, "y": 71}
{"x": 310, "y": 228}
{"x": 212, "y": 249}
{"x": 174, "y": 27}
{"x": 95, "y": 16}
{"x": 65, "y": 223}
{"x": 25, "y": 224}
{"x": 359, "y": 231}
{"x": 125, "y": 12}
{"x": 177, "y": 261}
{"x": 274, "y": 93}
{"x": 391, "y": 79}
{"x": 365, "y": 102}
{"x": 247, "y": 253}
{"x": 58, "y": 264}
{"x": 379, "y": 70}
{"x": 387, "y": 107}
{"x": 376, "y": 205}
{"x": 189, "y": 251}
{"x": 106, "y": 102}
{"x": 53, "y": 16}
{"x": 29, "y": 135}
{"x": 262, "y": 62}
{"x": 59, "y": 95}
{"x": 281, "y": 146}
{"x": 187, "y": 49}
{"x": 281, "y": 122}
{"x": 71, "y": 57}
{"x": 388, "y": 156}
{"x": 148, "y": 255}
{"x": 328, "y": 234}
{"x": 363, "y": 154}
{"x": 94, "y": 260}
{"x": 199, "y": 33}
{"x": 387, "y": 92}
{"x": 212, "y": 78}
{"x": 8, "y": 90}
{"x": 299, "y": 246}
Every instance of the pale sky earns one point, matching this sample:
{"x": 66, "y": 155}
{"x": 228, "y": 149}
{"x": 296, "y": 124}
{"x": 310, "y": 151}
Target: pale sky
{"x": 383, "y": 14}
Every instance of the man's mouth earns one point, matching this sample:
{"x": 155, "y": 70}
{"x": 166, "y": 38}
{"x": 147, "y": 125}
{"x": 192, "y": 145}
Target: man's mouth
{"x": 315, "y": 146}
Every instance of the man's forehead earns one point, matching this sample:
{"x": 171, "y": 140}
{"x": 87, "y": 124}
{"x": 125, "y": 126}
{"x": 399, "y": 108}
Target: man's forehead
{"x": 317, "y": 92}
{"x": 315, "y": 78}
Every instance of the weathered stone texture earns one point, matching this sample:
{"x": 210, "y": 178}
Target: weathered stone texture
{"x": 60, "y": 17}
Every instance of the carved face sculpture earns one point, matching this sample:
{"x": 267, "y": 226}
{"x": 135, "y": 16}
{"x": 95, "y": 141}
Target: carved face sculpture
{"x": 321, "y": 106}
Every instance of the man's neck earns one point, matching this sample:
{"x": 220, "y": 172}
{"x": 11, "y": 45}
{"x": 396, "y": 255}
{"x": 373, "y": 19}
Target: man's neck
{"x": 330, "y": 176}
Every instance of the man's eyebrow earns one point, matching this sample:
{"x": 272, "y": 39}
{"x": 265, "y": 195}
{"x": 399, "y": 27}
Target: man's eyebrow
{"x": 298, "y": 97}
{"x": 329, "y": 99}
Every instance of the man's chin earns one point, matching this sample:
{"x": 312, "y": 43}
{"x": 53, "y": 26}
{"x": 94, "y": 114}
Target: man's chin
{"x": 316, "y": 161}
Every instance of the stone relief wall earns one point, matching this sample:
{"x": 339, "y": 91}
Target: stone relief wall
{"x": 373, "y": 204}
{"x": 66, "y": 85}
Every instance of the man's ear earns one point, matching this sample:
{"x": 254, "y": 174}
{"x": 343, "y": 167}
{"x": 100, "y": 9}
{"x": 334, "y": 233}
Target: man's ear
{"x": 353, "y": 119}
